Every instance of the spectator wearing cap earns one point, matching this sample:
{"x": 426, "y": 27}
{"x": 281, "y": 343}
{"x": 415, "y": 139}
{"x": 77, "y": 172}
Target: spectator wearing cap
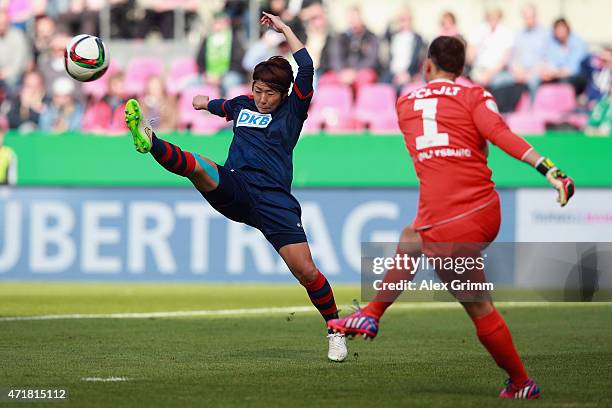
{"x": 63, "y": 113}
{"x": 564, "y": 55}
{"x": 14, "y": 54}
{"x": 406, "y": 51}
{"x": 220, "y": 55}
{"x": 25, "y": 108}
{"x": 8, "y": 158}
{"x": 355, "y": 56}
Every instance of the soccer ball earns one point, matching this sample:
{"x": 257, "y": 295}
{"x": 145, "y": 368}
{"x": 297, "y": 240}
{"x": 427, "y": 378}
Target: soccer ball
{"x": 86, "y": 58}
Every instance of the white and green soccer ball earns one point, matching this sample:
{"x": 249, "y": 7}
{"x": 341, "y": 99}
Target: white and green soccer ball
{"x": 86, "y": 58}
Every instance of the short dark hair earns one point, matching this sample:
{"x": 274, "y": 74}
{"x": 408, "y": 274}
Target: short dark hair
{"x": 276, "y": 72}
{"x": 562, "y": 21}
{"x": 448, "y": 54}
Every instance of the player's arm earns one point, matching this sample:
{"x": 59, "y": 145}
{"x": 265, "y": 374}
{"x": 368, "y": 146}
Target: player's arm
{"x": 303, "y": 81}
{"x": 219, "y": 107}
{"x": 492, "y": 126}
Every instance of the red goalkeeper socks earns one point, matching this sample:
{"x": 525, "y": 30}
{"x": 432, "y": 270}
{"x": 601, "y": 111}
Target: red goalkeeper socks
{"x": 493, "y": 333}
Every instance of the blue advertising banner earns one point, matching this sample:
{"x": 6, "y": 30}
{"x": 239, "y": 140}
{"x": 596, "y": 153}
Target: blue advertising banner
{"x": 171, "y": 234}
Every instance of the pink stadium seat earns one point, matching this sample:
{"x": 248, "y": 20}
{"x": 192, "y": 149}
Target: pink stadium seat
{"x": 242, "y": 89}
{"x": 182, "y": 71}
{"x": 526, "y": 123}
{"x": 386, "y": 125}
{"x": 552, "y": 101}
{"x": 205, "y": 123}
{"x": 139, "y": 70}
{"x": 524, "y": 104}
{"x": 375, "y": 101}
{"x": 188, "y": 115}
{"x": 331, "y": 108}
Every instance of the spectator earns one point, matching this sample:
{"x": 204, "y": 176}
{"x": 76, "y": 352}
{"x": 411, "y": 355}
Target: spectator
{"x": 270, "y": 44}
{"x": 406, "y": 52}
{"x": 600, "y": 119}
{"x": 14, "y": 54}
{"x": 25, "y": 108}
{"x": 489, "y": 47}
{"x": 355, "y": 58}
{"x": 8, "y": 158}
{"x": 564, "y": 56}
{"x": 220, "y": 55}
{"x": 107, "y": 115}
{"x": 51, "y": 64}
{"x": 529, "y": 51}
{"x": 448, "y": 25}
{"x": 159, "y": 16}
{"x": 158, "y": 105}
{"x": 44, "y": 31}
{"x": 63, "y": 113}
{"x": 599, "y": 68}
{"x": 20, "y": 13}
{"x": 319, "y": 38}
{"x": 289, "y": 16}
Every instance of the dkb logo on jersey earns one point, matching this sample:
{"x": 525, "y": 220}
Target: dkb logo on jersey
{"x": 253, "y": 119}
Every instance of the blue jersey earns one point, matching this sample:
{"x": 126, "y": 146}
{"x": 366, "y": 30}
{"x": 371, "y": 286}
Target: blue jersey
{"x": 262, "y": 148}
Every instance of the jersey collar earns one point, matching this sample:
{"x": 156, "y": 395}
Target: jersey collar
{"x": 433, "y": 81}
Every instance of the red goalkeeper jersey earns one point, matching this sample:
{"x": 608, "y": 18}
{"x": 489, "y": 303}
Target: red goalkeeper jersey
{"x": 446, "y": 128}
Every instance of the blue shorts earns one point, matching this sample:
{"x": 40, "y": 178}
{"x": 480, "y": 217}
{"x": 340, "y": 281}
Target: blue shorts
{"x": 276, "y": 213}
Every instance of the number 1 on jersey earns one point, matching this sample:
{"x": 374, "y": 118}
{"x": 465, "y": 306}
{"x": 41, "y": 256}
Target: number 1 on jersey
{"x": 430, "y": 137}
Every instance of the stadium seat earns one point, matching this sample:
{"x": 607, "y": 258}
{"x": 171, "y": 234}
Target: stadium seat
{"x": 553, "y": 101}
{"x": 524, "y": 104}
{"x": 526, "y": 123}
{"x": 242, "y": 89}
{"x": 331, "y": 108}
{"x": 183, "y": 71}
{"x": 205, "y": 123}
{"x": 375, "y": 101}
{"x": 188, "y": 115}
{"x": 386, "y": 125}
{"x": 138, "y": 71}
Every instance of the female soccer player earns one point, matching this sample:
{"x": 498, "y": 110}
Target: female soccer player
{"x": 254, "y": 185}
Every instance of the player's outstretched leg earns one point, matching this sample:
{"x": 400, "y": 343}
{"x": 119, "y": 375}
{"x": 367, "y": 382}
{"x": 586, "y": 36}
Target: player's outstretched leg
{"x": 299, "y": 260}
{"x": 364, "y": 322}
{"x": 202, "y": 172}
{"x": 495, "y": 336}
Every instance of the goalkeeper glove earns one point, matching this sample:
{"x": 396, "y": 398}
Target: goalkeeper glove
{"x": 557, "y": 178}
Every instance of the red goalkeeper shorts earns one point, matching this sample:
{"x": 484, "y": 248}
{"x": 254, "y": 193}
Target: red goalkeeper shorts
{"x": 479, "y": 226}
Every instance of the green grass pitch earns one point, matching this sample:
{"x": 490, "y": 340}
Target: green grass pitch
{"x": 422, "y": 356}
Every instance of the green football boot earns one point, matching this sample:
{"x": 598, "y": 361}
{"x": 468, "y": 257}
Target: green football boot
{"x": 141, "y": 131}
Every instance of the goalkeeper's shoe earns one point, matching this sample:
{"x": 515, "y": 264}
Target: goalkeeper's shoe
{"x": 356, "y": 324}
{"x": 529, "y": 390}
{"x": 141, "y": 130}
{"x": 337, "y": 347}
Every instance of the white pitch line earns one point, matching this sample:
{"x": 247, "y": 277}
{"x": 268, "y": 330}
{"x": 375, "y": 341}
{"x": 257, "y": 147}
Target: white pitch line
{"x": 100, "y": 379}
{"x": 272, "y": 310}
